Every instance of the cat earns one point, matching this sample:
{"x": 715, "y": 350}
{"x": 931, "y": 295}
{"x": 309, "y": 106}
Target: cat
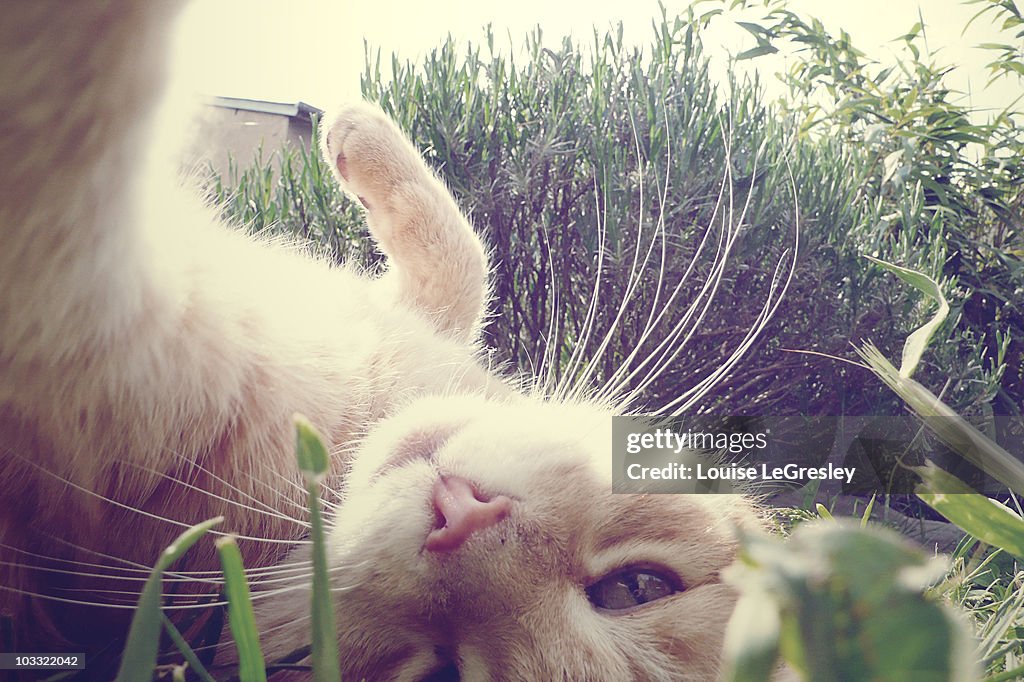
{"x": 151, "y": 360}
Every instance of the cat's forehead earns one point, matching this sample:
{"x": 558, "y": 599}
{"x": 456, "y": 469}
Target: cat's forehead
{"x": 653, "y": 517}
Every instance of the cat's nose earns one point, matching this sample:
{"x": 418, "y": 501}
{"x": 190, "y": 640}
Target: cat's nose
{"x": 461, "y": 511}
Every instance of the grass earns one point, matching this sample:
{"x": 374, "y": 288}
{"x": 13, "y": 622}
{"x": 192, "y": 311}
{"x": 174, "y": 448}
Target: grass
{"x": 140, "y": 653}
{"x": 314, "y": 464}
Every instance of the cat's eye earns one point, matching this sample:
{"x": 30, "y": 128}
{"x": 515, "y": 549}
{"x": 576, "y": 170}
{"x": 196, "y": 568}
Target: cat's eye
{"x": 632, "y": 587}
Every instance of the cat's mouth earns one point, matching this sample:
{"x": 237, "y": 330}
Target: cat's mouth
{"x": 448, "y": 672}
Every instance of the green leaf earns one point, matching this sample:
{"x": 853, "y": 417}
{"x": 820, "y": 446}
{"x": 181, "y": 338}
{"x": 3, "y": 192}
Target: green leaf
{"x": 757, "y": 52}
{"x": 846, "y": 603}
{"x": 867, "y": 511}
{"x": 918, "y": 341}
{"x": 756, "y": 30}
{"x": 751, "y": 646}
{"x": 912, "y": 33}
{"x": 995, "y": 46}
{"x": 140, "y": 651}
{"x": 241, "y": 618}
{"x": 976, "y": 514}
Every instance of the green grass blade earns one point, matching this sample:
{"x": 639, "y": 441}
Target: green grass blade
{"x": 326, "y": 667}
{"x": 976, "y": 514}
{"x": 313, "y": 461}
{"x": 186, "y": 650}
{"x": 1007, "y": 675}
{"x": 140, "y": 651}
{"x": 867, "y": 511}
{"x": 241, "y": 619}
{"x": 309, "y": 449}
{"x": 953, "y": 429}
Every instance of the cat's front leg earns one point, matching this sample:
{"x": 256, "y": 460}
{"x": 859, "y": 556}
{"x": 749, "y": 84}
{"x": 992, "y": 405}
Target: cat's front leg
{"x": 438, "y": 260}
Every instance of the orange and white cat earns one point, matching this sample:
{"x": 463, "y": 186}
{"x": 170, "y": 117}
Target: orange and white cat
{"x": 151, "y": 360}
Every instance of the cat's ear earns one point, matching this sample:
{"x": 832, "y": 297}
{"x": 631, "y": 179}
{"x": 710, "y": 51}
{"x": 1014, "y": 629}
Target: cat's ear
{"x": 434, "y": 253}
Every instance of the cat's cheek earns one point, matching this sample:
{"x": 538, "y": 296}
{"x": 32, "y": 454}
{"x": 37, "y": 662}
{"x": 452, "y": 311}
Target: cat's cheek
{"x": 392, "y": 515}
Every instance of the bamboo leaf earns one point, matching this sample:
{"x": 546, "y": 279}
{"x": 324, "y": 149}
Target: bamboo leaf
{"x": 757, "y": 52}
{"x": 756, "y": 30}
{"x": 918, "y": 341}
{"x": 942, "y": 420}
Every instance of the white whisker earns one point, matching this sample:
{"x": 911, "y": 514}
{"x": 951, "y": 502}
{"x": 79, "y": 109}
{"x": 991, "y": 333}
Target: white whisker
{"x": 150, "y": 515}
{"x": 773, "y": 299}
{"x": 585, "y": 330}
{"x": 70, "y": 561}
{"x": 81, "y": 548}
{"x": 181, "y": 599}
{"x": 279, "y": 495}
{"x": 255, "y": 509}
{"x": 632, "y": 283}
{"x": 65, "y": 600}
{"x": 104, "y": 576}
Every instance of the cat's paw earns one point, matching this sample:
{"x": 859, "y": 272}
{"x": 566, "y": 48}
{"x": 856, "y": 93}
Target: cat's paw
{"x": 440, "y": 265}
{"x": 368, "y": 153}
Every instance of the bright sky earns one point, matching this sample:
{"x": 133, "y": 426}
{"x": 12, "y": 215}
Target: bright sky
{"x": 312, "y": 50}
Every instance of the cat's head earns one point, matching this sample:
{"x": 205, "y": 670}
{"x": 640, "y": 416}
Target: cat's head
{"x": 554, "y": 577}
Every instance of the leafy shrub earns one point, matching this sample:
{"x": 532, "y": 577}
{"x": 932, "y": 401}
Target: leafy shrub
{"x": 576, "y": 163}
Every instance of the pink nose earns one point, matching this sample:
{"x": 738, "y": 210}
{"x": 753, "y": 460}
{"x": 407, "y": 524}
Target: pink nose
{"x": 461, "y": 511}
